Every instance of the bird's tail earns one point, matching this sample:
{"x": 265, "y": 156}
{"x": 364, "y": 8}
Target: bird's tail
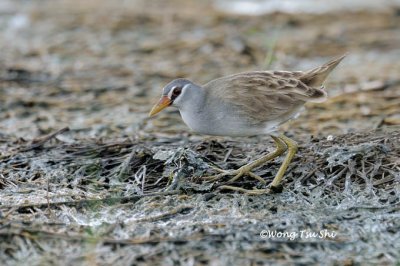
{"x": 315, "y": 77}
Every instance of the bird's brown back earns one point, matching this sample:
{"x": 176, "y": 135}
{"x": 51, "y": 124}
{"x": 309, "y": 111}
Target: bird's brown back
{"x": 269, "y": 95}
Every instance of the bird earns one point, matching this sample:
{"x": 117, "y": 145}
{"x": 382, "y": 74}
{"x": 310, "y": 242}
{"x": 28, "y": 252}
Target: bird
{"x": 247, "y": 104}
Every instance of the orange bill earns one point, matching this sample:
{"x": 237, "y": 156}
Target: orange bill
{"x": 162, "y": 104}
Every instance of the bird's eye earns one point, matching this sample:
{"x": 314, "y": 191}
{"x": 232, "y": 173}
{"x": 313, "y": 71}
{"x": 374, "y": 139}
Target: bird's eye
{"x": 176, "y": 92}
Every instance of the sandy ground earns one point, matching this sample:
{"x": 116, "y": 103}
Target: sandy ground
{"x": 87, "y": 178}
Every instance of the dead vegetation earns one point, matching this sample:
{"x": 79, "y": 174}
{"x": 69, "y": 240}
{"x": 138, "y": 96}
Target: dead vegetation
{"x": 87, "y": 178}
{"x": 114, "y": 187}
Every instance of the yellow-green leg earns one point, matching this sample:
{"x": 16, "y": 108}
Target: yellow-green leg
{"x": 292, "y": 149}
{"x": 246, "y": 169}
{"x": 275, "y": 185}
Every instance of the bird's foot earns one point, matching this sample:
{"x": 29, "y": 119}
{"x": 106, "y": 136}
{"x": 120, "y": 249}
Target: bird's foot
{"x": 217, "y": 169}
{"x": 253, "y": 192}
{"x": 246, "y": 191}
{"x": 242, "y": 171}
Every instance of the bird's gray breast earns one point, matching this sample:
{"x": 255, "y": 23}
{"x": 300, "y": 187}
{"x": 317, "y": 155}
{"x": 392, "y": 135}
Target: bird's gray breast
{"x": 218, "y": 119}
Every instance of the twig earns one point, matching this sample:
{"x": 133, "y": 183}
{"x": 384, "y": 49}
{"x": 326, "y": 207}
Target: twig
{"x": 124, "y": 171}
{"x": 29, "y": 232}
{"x": 40, "y": 142}
{"x": 143, "y": 177}
{"x": 227, "y": 155}
{"x": 88, "y": 201}
{"x": 47, "y": 195}
{"x": 166, "y": 215}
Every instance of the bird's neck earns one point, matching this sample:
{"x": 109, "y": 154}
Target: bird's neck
{"x": 196, "y": 102}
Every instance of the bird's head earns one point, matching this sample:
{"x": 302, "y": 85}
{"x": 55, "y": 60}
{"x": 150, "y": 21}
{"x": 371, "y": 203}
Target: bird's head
{"x": 174, "y": 94}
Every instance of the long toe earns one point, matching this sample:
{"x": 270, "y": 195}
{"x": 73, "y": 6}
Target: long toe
{"x": 243, "y": 171}
{"x": 245, "y": 191}
{"x": 246, "y": 171}
{"x": 218, "y": 170}
{"x": 216, "y": 177}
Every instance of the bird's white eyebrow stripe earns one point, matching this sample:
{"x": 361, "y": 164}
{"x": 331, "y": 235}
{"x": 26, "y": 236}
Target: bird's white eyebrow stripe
{"x": 171, "y": 91}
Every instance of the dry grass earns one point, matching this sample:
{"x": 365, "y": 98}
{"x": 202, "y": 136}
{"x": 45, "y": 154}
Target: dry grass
{"x": 87, "y": 178}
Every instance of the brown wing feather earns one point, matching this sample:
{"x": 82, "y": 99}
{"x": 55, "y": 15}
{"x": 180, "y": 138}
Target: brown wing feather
{"x": 264, "y": 95}
{"x": 316, "y": 76}
{"x": 269, "y": 95}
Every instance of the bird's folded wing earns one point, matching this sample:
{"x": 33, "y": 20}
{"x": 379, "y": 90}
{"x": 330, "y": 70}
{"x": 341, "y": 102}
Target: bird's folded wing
{"x": 265, "y": 95}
